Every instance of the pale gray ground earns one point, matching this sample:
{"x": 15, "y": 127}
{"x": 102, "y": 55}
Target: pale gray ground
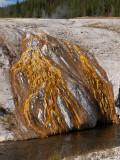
{"x": 101, "y": 37}
{"x": 108, "y": 154}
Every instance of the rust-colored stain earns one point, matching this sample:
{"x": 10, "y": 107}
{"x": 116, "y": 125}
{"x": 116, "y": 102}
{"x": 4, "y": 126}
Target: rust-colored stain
{"x": 41, "y": 73}
{"x": 100, "y": 87}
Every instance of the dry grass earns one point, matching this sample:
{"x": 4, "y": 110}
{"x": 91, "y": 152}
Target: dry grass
{"x": 8, "y": 121}
{"x": 102, "y": 26}
{"x": 2, "y": 110}
{"x": 1, "y": 107}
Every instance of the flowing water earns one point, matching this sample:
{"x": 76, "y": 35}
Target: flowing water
{"x": 64, "y": 145}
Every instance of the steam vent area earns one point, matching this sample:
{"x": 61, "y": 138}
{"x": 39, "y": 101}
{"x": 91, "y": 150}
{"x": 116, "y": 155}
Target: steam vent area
{"x": 53, "y": 85}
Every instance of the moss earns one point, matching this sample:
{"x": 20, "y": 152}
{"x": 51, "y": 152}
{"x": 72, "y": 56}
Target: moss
{"x": 55, "y": 157}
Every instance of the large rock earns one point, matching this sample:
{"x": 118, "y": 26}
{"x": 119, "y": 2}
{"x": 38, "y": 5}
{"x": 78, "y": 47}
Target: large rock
{"x": 59, "y": 87}
{"x": 99, "y": 36}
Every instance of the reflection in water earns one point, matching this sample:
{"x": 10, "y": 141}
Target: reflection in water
{"x": 64, "y": 145}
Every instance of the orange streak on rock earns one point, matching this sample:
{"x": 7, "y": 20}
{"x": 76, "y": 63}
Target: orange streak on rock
{"x": 100, "y": 88}
{"x": 41, "y": 73}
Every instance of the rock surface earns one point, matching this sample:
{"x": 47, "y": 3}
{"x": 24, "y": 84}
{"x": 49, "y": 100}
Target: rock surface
{"x": 59, "y": 87}
{"x": 101, "y": 41}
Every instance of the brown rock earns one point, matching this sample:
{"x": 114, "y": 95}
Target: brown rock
{"x": 59, "y": 87}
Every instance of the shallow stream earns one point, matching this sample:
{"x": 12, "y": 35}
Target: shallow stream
{"x": 64, "y": 145}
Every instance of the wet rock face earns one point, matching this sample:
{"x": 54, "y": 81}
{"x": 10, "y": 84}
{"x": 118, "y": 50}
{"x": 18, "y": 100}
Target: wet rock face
{"x": 59, "y": 87}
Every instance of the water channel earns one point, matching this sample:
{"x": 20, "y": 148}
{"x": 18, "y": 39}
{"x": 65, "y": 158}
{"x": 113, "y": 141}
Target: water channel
{"x": 64, "y": 145}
